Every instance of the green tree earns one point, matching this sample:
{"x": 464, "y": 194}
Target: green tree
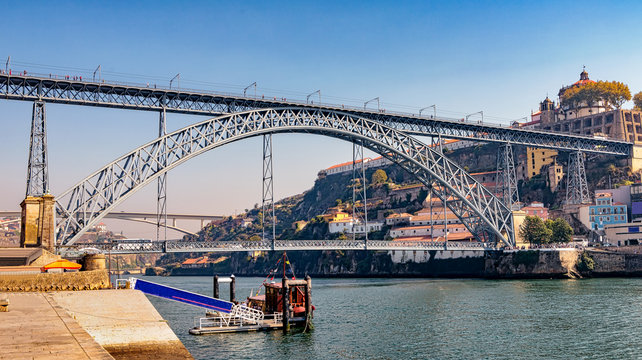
{"x": 535, "y": 231}
{"x": 615, "y": 93}
{"x": 561, "y": 231}
{"x": 611, "y": 93}
{"x": 637, "y": 100}
{"x": 379, "y": 177}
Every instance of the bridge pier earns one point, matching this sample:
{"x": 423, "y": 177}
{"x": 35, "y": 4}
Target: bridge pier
{"x": 576, "y": 185}
{"x": 267, "y": 206}
{"x": 359, "y": 212}
{"x": 37, "y": 223}
{"x": 161, "y": 199}
{"x": 507, "y": 176}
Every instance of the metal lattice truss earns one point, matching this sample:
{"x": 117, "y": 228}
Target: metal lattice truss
{"x": 576, "y": 185}
{"x": 87, "y": 202}
{"x": 38, "y": 169}
{"x": 506, "y": 176}
{"x": 193, "y": 102}
{"x": 172, "y": 246}
{"x": 359, "y": 187}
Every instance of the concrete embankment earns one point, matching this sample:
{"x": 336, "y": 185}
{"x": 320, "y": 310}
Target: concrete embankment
{"x": 123, "y": 322}
{"x": 100, "y": 324}
{"x": 35, "y": 327}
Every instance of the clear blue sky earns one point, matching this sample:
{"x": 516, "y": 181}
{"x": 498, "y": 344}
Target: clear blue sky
{"x": 465, "y": 56}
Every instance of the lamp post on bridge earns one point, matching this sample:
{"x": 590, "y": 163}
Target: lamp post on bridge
{"x": 428, "y": 107}
{"x": 307, "y": 98}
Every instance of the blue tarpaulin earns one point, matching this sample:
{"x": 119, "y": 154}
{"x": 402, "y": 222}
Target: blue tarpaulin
{"x": 183, "y": 296}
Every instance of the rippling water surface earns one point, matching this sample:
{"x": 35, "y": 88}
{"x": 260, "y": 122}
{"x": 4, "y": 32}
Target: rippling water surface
{"x": 442, "y": 319}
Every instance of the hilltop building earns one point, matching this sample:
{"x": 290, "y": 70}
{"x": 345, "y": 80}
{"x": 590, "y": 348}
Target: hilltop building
{"x": 596, "y": 119}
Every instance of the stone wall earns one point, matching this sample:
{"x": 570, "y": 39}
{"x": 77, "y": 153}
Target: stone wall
{"x": 84, "y": 280}
{"x": 616, "y": 264}
{"x": 532, "y": 264}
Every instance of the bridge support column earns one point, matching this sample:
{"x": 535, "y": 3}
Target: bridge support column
{"x": 38, "y": 168}
{"x": 576, "y": 185}
{"x": 359, "y": 186}
{"x": 37, "y": 218}
{"x": 161, "y": 200}
{"x": 268, "y": 190}
{"x": 37, "y": 222}
{"x": 506, "y": 176}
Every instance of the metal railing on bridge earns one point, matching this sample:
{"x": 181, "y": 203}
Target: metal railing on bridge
{"x": 178, "y": 246}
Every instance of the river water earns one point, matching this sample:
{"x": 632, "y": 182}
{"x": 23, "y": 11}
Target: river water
{"x": 441, "y": 319}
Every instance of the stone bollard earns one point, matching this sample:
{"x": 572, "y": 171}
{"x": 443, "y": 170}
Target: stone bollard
{"x": 94, "y": 262}
{"x": 4, "y": 305}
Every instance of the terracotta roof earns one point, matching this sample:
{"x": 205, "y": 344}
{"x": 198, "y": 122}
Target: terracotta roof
{"x": 346, "y": 164}
{"x": 460, "y": 236}
{"x": 415, "y": 238}
{"x": 398, "y": 215}
{"x": 190, "y": 261}
{"x": 440, "y": 226}
{"x": 484, "y": 173}
{"x": 583, "y": 82}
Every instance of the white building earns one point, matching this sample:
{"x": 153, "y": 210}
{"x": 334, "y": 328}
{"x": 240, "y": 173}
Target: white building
{"x": 349, "y": 225}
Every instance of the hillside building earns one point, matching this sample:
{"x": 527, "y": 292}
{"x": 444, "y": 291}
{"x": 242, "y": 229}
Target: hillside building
{"x": 603, "y": 212}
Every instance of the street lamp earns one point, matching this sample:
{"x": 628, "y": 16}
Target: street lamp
{"x": 307, "y": 98}
{"x": 428, "y": 107}
{"x": 249, "y": 86}
{"x": 366, "y": 103}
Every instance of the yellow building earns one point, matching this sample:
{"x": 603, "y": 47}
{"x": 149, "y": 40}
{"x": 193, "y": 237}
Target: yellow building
{"x": 536, "y": 158}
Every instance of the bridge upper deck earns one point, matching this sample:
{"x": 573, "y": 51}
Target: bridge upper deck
{"x": 144, "y": 97}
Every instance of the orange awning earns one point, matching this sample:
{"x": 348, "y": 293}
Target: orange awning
{"x": 62, "y": 264}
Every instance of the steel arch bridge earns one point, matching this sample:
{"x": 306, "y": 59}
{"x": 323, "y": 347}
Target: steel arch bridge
{"x": 87, "y": 202}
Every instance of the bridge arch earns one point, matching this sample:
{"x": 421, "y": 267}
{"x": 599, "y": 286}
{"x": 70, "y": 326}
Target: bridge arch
{"x": 83, "y": 205}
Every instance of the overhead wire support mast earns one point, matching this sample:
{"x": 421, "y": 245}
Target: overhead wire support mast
{"x": 161, "y": 200}
{"x": 249, "y": 86}
{"x": 268, "y": 189}
{"x": 307, "y": 98}
{"x": 365, "y": 104}
{"x": 38, "y": 168}
{"x": 428, "y": 107}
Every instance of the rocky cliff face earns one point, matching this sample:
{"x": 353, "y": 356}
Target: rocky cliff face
{"x": 614, "y": 264}
{"x": 532, "y": 264}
